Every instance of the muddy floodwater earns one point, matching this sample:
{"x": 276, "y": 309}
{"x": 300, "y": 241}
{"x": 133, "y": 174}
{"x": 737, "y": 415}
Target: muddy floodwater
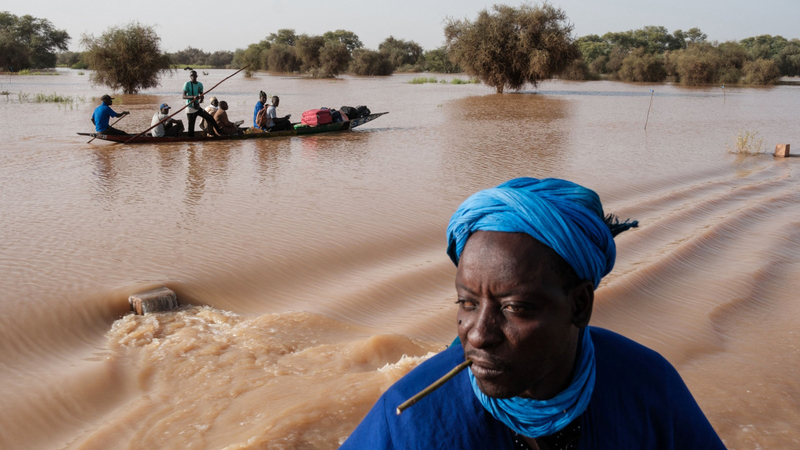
{"x": 314, "y": 268}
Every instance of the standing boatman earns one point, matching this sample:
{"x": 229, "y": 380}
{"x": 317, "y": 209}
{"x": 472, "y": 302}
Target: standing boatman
{"x": 101, "y": 115}
{"x": 193, "y": 94}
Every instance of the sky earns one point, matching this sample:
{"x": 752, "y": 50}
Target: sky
{"x": 228, "y": 25}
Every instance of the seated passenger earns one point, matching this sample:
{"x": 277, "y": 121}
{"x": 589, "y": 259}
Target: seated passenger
{"x": 529, "y": 255}
{"x": 169, "y": 128}
{"x": 211, "y": 109}
{"x": 261, "y": 104}
{"x": 101, "y": 115}
{"x": 275, "y": 123}
{"x": 225, "y": 125}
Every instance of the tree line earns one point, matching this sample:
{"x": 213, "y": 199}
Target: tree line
{"x": 504, "y": 47}
{"x": 336, "y": 52}
{"x": 653, "y": 54}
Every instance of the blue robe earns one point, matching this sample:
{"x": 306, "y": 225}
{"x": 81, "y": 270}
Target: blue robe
{"x": 639, "y": 402}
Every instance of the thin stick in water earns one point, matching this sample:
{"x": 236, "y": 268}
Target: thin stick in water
{"x": 436, "y": 385}
{"x": 652, "y": 92}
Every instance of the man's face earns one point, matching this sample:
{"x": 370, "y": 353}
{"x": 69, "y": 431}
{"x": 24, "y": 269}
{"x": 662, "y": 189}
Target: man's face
{"x": 516, "y": 319}
{"x": 193, "y": 77}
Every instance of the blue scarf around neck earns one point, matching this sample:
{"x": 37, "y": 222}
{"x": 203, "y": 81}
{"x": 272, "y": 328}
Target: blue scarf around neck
{"x": 536, "y": 418}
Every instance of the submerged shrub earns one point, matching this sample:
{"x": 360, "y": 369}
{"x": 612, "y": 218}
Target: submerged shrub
{"x": 698, "y": 64}
{"x": 761, "y": 71}
{"x": 282, "y": 58}
{"x": 747, "y": 143}
{"x": 370, "y": 62}
{"x": 128, "y": 58}
{"x": 577, "y": 70}
{"x": 509, "y": 47}
{"x": 642, "y": 66}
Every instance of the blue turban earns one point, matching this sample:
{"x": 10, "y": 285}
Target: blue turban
{"x": 560, "y": 214}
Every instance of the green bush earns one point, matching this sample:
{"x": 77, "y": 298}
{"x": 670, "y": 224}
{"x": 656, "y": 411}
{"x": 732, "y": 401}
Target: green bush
{"x": 578, "y": 71}
{"x": 509, "y": 47}
{"x": 128, "y": 58}
{"x": 370, "y": 62}
{"x": 334, "y": 58}
{"x": 642, "y": 66}
{"x": 698, "y": 64}
{"x": 761, "y": 71}
{"x": 282, "y": 58}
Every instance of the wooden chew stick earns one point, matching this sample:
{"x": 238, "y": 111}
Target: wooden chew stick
{"x": 436, "y": 385}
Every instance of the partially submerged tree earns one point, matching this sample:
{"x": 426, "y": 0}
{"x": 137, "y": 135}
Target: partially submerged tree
{"x": 348, "y": 38}
{"x": 128, "y": 58}
{"x": 27, "y": 42}
{"x": 401, "y": 52}
{"x": 510, "y": 47}
{"x": 370, "y": 62}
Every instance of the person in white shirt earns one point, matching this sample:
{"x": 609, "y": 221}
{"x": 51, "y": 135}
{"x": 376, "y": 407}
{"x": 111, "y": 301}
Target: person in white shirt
{"x": 275, "y": 123}
{"x": 211, "y": 110}
{"x": 169, "y": 128}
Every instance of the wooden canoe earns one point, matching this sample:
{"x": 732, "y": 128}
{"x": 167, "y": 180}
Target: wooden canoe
{"x": 198, "y": 137}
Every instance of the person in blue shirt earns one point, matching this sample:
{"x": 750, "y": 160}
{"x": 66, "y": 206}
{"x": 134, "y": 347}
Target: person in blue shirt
{"x": 193, "y": 94}
{"x": 260, "y": 104}
{"x": 529, "y": 255}
{"x": 101, "y": 115}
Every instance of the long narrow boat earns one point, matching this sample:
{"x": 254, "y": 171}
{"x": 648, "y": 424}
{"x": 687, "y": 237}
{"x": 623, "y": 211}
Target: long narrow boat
{"x": 198, "y": 137}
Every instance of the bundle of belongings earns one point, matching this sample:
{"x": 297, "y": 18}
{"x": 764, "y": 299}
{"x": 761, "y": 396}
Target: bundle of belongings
{"x": 355, "y": 113}
{"x": 324, "y": 116}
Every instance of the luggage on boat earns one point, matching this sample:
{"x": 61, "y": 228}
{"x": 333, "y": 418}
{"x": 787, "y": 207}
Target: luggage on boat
{"x": 315, "y": 117}
{"x": 336, "y": 116}
{"x": 348, "y": 111}
{"x": 362, "y": 111}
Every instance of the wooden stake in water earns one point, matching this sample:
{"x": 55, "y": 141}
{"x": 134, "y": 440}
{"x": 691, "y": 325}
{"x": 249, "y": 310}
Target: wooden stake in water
{"x": 723, "y": 94}
{"x": 648, "y": 109}
{"x": 436, "y": 385}
{"x": 154, "y": 300}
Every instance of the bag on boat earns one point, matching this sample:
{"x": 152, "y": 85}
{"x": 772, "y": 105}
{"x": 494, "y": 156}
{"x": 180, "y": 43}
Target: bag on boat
{"x": 362, "y": 111}
{"x": 261, "y": 118}
{"x": 348, "y": 111}
{"x": 315, "y": 117}
{"x": 336, "y": 116}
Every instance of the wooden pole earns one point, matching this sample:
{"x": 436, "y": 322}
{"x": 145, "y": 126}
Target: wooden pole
{"x": 436, "y": 385}
{"x": 652, "y": 93}
{"x": 186, "y": 105}
{"x": 115, "y": 122}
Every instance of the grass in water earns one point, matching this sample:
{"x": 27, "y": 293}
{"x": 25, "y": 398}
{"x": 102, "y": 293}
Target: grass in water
{"x": 28, "y": 72}
{"x": 80, "y": 73}
{"x": 460, "y": 81}
{"x": 423, "y": 80}
{"x": 747, "y": 143}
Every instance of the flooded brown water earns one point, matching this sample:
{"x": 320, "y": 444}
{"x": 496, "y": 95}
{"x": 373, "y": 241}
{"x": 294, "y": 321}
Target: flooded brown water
{"x": 317, "y": 266}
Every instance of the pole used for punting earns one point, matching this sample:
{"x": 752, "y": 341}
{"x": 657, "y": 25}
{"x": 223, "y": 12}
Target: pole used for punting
{"x": 186, "y": 105}
{"x": 436, "y": 385}
{"x": 652, "y": 93}
{"x": 115, "y": 122}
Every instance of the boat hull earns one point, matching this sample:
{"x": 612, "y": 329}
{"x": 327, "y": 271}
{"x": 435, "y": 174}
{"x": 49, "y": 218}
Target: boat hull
{"x": 199, "y": 137}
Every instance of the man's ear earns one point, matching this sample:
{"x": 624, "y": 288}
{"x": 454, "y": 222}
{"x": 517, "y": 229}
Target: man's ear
{"x": 582, "y": 303}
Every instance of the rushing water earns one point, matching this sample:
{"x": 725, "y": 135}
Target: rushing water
{"x": 317, "y": 266}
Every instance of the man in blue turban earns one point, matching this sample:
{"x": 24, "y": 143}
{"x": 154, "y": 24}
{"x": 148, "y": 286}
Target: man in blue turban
{"x": 530, "y": 254}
